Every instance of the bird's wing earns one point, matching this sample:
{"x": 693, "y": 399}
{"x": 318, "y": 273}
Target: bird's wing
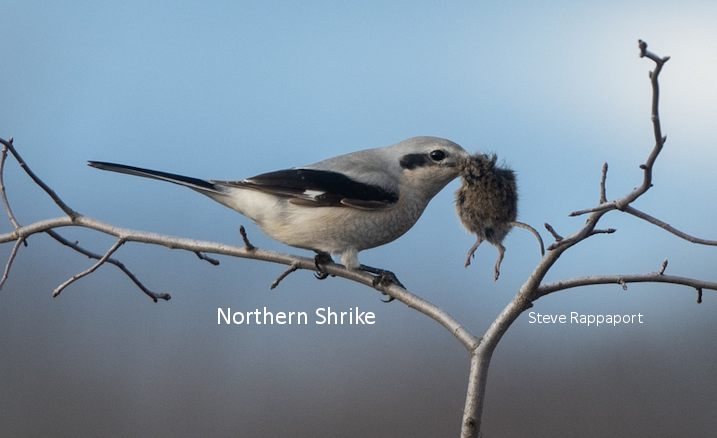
{"x": 318, "y": 188}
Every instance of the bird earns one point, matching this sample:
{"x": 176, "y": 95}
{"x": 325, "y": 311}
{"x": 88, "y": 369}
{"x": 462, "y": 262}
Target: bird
{"x": 487, "y": 202}
{"x": 339, "y": 206}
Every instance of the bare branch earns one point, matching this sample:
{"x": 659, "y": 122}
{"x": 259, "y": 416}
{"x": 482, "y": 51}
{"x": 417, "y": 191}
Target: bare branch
{"x": 604, "y": 205}
{"x": 552, "y": 231}
{"x": 244, "y": 237}
{"x": 532, "y": 289}
{"x": 600, "y": 208}
{"x": 10, "y": 259}
{"x": 621, "y": 203}
{"x": 605, "y": 231}
{"x": 663, "y": 267}
{"x": 651, "y": 219}
{"x": 652, "y": 277}
{"x": 699, "y": 295}
{"x": 646, "y": 53}
{"x": 3, "y": 156}
{"x": 201, "y": 256}
{"x": 92, "y": 269}
{"x": 292, "y": 268}
{"x": 466, "y": 338}
{"x": 135, "y": 280}
{"x": 637, "y": 213}
{"x": 603, "y": 194}
{"x": 60, "y": 203}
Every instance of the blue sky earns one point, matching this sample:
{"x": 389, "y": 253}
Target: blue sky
{"x": 227, "y": 90}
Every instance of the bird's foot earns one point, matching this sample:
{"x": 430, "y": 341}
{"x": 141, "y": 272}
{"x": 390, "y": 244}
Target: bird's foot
{"x": 382, "y": 278}
{"x": 321, "y": 258}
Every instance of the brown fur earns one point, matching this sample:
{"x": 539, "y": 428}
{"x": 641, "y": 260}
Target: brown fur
{"x": 487, "y": 202}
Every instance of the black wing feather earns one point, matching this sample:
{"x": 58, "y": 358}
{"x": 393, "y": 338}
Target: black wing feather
{"x": 324, "y": 188}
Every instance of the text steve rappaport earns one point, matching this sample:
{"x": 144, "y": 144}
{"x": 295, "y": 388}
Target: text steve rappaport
{"x": 577, "y": 318}
{"x": 324, "y": 316}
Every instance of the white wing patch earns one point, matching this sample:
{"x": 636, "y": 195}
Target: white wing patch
{"x": 313, "y": 194}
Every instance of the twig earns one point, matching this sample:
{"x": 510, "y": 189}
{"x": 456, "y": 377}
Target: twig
{"x": 2, "y": 185}
{"x": 244, "y": 237}
{"x": 292, "y": 268}
{"x": 600, "y": 208}
{"x": 603, "y": 194}
{"x": 92, "y": 269}
{"x": 552, "y": 231}
{"x": 605, "y": 231}
{"x": 60, "y": 203}
{"x": 652, "y": 277}
{"x": 663, "y": 267}
{"x": 5, "y": 274}
{"x": 202, "y": 256}
{"x": 154, "y": 296}
{"x": 660, "y": 140}
{"x": 699, "y": 295}
{"x": 637, "y": 213}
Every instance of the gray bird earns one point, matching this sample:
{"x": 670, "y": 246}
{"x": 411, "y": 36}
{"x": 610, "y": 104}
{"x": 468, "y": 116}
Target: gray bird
{"x": 342, "y": 205}
{"x": 486, "y": 202}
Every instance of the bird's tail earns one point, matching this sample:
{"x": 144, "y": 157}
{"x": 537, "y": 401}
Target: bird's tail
{"x": 200, "y": 185}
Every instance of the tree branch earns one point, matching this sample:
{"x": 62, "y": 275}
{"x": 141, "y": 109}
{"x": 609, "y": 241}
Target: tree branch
{"x": 245, "y": 239}
{"x": 552, "y": 231}
{"x": 92, "y": 269}
{"x": 60, "y": 203}
{"x": 530, "y": 290}
{"x": 637, "y": 213}
{"x": 652, "y": 277}
{"x": 207, "y": 259}
{"x": 603, "y": 193}
{"x": 128, "y": 273}
{"x": 283, "y": 275}
{"x": 5, "y": 202}
{"x": 10, "y": 259}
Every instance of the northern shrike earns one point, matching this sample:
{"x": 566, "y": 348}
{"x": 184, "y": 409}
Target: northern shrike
{"x": 340, "y": 206}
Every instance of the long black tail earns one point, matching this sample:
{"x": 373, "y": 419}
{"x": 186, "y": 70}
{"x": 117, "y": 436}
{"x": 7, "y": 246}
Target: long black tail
{"x": 193, "y": 183}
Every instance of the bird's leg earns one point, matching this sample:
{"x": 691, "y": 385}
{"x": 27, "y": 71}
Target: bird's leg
{"x": 501, "y": 253}
{"x": 472, "y": 251}
{"x": 321, "y": 258}
{"x": 382, "y": 277}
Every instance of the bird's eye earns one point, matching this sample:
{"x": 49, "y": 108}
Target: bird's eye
{"x": 437, "y": 155}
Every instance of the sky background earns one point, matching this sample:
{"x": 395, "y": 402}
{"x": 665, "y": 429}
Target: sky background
{"x": 228, "y": 90}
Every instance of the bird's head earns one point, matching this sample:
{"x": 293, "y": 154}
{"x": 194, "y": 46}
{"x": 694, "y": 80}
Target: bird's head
{"x": 429, "y": 163}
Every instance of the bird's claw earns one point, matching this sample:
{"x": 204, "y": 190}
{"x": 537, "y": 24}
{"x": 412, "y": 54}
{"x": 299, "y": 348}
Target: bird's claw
{"x": 321, "y": 258}
{"x": 386, "y": 280}
{"x": 383, "y": 278}
{"x": 320, "y": 275}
